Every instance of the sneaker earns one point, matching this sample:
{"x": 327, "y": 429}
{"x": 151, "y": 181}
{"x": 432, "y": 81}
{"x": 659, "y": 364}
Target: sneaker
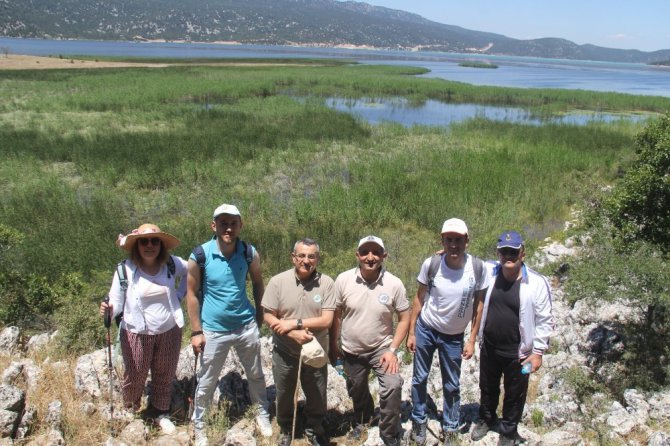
{"x": 480, "y": 430}
{"x": 284, "y": 440}
{"x": 200, "y": 437}
{"x": 451, "y": 438}
{"x": 263, "y": 421}
{"x": 419, "y": 433}
{"x": 163, "y": 421}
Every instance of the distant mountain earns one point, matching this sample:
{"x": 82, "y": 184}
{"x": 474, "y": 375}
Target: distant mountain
{"x": 305, "y": 22}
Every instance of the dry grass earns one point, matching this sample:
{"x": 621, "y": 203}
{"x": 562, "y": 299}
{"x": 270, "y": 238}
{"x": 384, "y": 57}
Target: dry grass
{"x": 57, "y": 383}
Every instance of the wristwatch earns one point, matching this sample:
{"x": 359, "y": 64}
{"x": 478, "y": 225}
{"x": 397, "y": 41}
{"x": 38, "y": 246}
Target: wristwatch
{"x": 298, "y": 324}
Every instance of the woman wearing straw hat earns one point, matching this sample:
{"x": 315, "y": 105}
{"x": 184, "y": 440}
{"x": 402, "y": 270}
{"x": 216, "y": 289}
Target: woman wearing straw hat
{"x": 150, "y": 329}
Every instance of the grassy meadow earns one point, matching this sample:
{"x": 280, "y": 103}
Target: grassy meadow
{"x": 89, "y": 154}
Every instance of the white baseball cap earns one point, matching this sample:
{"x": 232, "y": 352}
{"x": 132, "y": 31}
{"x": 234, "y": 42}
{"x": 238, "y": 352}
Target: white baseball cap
{"x": 455, "y": 225}
{"x": 226, "y": 209}
{"x": 372, "y": 239}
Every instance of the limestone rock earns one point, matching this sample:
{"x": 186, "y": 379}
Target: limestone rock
{"x": 9, "y": 340}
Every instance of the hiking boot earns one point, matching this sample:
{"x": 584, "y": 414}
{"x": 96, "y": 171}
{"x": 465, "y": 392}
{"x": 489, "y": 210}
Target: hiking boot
{"x": 419, "y": 433}
{"x": 480, "y": 430}
{"x": 264, "y": 425}
{"x": 200, "y": 437}
{"x": 317, "y": 440}
{"x": 167, "y": 426}
{"x": 357, "y": 432}
{"x": 511, "y": 441}
{"x": 391, "y": 441}
{"x": 451, "y": 438}
{"x": 284, "y": 440}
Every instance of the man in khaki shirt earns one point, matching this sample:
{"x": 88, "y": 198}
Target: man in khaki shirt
{"x": 367, "y": 298}
{"x": 299, "y": 304}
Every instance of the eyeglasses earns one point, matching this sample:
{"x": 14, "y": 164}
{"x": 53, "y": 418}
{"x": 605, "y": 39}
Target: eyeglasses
{"x": 509, "y": 253}
{"x": 153, "y": 240}
{"x": 375, "y": 252}
{"x": 306, "y": 256}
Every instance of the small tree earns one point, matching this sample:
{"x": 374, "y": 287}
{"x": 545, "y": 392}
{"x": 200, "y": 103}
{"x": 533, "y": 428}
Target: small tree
{"x": 639, "y": 207}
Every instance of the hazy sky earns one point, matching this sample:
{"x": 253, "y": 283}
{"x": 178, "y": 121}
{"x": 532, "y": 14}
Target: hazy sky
{"x": 629, "y": 24}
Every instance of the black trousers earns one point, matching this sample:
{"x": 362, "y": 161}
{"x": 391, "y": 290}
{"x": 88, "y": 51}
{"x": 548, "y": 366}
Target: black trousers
{"x": 492, "y": 368}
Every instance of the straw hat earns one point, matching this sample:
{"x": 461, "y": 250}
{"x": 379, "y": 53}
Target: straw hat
{"x": 147, "y": 230}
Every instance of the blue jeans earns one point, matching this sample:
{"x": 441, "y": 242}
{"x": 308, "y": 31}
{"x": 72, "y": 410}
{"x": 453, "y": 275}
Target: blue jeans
{"x": 449, "y": 350}
{"x": 246, "y": 342}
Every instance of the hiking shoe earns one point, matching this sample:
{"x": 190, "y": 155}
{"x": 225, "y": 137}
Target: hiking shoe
{"x": 263, "y": 421}
{"x": 480, "y": 430}
{"x": 511, "y": 441}
{"x": 451, "y": 438}
{"x": 419, "y": 433}
{"x": 200, "y": 437}
{"x": 357, "y": 432}
{"x": 284, "y": 440}
{"x": 167, "y": 426}
{"x": 391, "y": 441}
{"x": 317, "y": 440}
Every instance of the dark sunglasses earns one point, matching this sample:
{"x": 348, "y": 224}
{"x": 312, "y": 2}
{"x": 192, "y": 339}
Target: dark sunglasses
{"x": 509, "y": 252}
{"x": 145, "y": 241}
{"x": 375, "y": 252}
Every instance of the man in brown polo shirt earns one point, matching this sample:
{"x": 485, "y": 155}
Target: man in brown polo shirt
{"x": 299, "y": 304}
{"x": 367, "y": 298}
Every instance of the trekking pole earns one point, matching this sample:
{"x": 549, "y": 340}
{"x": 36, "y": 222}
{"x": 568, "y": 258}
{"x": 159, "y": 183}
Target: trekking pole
{"x": 295, "y": 398}
{"x": 108, "y": 325}
{"x": 194, "y": 385}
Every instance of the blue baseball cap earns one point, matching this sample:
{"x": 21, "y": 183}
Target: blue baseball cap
{"x": 510, "y": 239}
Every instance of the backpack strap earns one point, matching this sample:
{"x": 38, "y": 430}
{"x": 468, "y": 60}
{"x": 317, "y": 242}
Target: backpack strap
{"x": 433, "y": 268}
{"x": 123, "y": 282}
{"x": 478, "y": 266}
{"x": 171, "y": 268}
{"x": 248, "y": 252}
{"x": 199, "y": 254}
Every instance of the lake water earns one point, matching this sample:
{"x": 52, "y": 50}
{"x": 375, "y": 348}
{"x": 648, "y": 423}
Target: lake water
{"x": 436, "y": 113}
{"x": 524, "y": 72}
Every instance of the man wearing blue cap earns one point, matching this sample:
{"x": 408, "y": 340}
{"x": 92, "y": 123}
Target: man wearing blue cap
{"x": 514, "y": 332}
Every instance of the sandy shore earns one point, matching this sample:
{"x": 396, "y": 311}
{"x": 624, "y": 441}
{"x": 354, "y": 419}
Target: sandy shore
{"x": 21, "y": 62}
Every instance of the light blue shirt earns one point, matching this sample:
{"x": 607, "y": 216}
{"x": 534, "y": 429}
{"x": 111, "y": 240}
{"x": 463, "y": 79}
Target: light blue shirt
{"x": 225, "y": 306}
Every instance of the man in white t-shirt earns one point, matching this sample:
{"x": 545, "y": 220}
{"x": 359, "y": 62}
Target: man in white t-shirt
{"x": 449, "y": 297}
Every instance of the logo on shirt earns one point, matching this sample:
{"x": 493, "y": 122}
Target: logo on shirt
{"x": 317, "y": 298}
{"x": 384, "y": 298}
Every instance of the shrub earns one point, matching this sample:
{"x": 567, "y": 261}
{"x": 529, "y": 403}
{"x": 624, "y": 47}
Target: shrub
{"x": 28, "y": 300}
{"x": 638, "y": 206}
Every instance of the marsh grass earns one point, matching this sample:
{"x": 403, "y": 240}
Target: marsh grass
{"x": 89, "y": 154}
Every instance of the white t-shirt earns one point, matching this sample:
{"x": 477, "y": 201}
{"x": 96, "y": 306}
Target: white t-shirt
{"x": 154, "y": 301}
{"x": 448, "y": 306}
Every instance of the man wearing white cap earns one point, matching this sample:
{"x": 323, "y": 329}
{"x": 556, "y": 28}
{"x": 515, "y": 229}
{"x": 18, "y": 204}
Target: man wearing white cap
{"x": 367, "y": 297}
{"x": 514, "y": 334}
{"x": 299, "y": 306}
{"x": 225, "y": 318}
{"x": 451, "y": 289}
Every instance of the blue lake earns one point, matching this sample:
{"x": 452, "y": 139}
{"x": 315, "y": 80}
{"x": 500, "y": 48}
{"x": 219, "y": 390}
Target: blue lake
{"x": 436, "y": 113}
{"x": 523, "y": 72}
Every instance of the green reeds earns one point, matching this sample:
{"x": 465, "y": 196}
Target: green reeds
{"x": 91, "y": 153}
